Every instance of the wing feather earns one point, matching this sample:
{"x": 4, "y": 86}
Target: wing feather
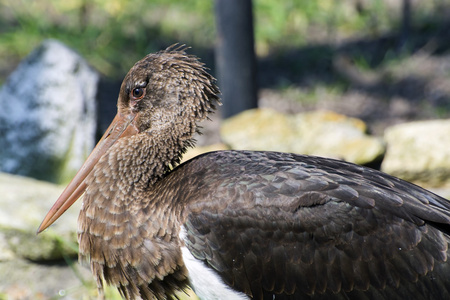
{"x": 273, "y": 223}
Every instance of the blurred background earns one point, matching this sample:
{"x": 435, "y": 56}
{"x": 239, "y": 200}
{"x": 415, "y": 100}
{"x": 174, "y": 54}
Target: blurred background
{"x": 356, "y": 57}
{"x": 382, "y": 62}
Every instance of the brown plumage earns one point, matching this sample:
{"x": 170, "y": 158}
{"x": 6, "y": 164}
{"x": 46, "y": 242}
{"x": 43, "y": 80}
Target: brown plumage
{"x": 267, "y": 223}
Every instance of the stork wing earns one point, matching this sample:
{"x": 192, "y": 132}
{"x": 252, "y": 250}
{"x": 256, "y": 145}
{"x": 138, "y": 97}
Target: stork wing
{"x": 275, "y": 223}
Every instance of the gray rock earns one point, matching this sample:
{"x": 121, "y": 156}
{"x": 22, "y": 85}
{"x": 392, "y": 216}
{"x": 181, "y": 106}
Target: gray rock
{"x": 24, "y": 203}
{"x": 40, "y": 266}
{"x": 47, "y": 120}
{"x": 36, "y": 266}
{"x": 419, "y": 152}
{"x": 21, "y": 279}
{"x": 317, "y": 133}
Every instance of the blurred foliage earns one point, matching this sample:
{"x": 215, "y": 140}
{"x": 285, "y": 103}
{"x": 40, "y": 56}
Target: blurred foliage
{"x": 113, "y": 34}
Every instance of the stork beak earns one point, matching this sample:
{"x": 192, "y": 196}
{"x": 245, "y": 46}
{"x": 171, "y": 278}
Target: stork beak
{"x": 121, "y": 126}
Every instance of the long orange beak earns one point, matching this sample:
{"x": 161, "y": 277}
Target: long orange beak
{"x": 121, "y": 126}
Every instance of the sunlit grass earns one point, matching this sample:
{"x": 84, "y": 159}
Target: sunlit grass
{"x": 112, "y": 35}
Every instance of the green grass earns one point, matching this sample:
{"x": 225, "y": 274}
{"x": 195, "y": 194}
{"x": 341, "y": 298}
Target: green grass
{"x": 112, "y": 35}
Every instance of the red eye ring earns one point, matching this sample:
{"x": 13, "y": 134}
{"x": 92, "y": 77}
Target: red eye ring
{"x": 137, "y": 93}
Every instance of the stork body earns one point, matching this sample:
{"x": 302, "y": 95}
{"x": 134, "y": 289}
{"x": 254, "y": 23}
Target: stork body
{"x": 263, "y": 224}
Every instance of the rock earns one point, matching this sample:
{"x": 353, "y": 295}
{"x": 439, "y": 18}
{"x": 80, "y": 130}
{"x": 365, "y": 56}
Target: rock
{"x": 32, "y": 266}
{"x": 47, "y": 120}
{"x": 259, "y": 129}
{"x": 193, "y": 152}
{"x": 40, "y": 266}
{"x": 419, "y": 152}
{"x": 316, "y": 133}
{"x": 337, "y": 136}
{"x": 22, "y": 279}
{"x": 24, "y": 204}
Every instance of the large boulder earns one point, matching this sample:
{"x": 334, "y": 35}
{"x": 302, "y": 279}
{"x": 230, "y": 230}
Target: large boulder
{"x": 48, "y": 115}
{"x": 40, "y": 266}
{"x": 24, "y": 204}
{"x": 419, "y": 152}
{"x": 32, "y": 266}
{"x": 316, "y": 133}
{"x": 193, "y": 152}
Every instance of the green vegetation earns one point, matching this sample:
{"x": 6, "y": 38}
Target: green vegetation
{"x": 112, "y": 35}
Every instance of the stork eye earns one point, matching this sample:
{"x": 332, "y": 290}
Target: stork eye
{"x": 137, "y": 93}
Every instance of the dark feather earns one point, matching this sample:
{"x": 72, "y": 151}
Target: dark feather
{"x": 269, "y": 224}
{"x": 334, "y": 242}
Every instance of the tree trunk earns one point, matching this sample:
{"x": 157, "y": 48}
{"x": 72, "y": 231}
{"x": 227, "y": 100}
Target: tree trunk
{"x": 235, "y": 55}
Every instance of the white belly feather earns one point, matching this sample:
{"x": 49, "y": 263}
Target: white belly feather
{"x": 205, "y": 282}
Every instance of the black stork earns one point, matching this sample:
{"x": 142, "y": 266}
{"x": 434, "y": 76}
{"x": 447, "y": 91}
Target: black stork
{"x": 243, "y": 224}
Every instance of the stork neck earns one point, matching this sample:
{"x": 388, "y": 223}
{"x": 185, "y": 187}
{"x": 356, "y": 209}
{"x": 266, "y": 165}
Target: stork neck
{"x": 119, "y": 224}
{"x": 148, "y": 156}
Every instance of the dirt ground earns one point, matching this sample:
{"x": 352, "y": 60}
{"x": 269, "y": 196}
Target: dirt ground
{"x": 374, "y": 80}
{"x": 416, "y": 89}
